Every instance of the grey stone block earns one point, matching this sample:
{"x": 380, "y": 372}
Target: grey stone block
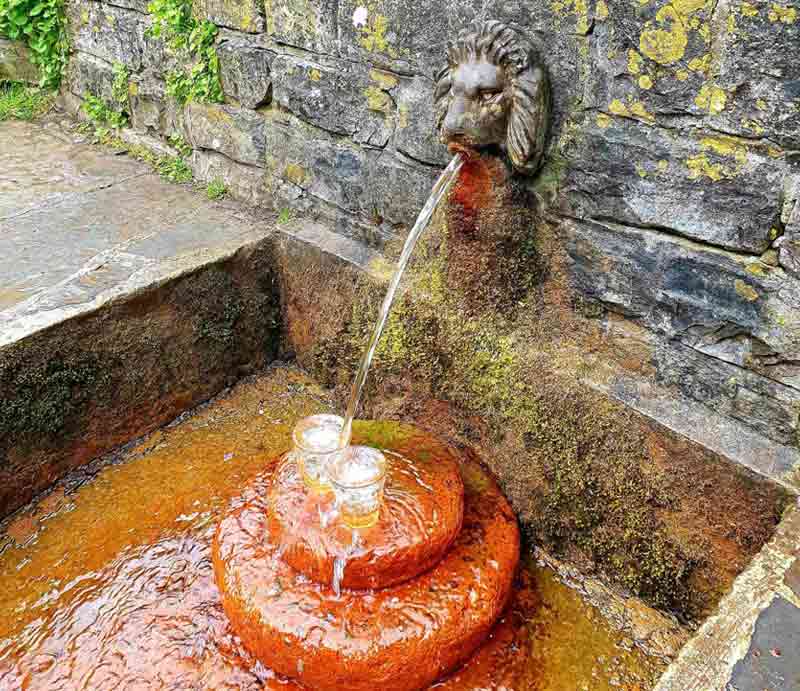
{"x": 15, "y": 62}
{"x": 245, "y": 71}
{"x": 238, "y": 133}
{"x": 735, "y": 311}
{"x": 244, "y": 183}
{"x": 711, "y": 188}
{"x": 398, "y": 189}
{"x": 758, "y": 62}
{"x": 241, "y": 15}
{"x": 87, "y": 75}
{"x": 416, "y": 134}
{"x": 116, "y": 35}
{"x": 338, "y": 97}
{"x": 307, "y": 24}
{"x": 148, "y": 101}
{"x": 316, "y": 164}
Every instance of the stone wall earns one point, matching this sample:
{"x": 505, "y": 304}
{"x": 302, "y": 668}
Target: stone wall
{"x": 15, "y": 62}
{"x": 672, "y": 175}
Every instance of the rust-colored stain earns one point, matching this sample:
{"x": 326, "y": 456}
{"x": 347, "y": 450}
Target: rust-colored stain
{"x": 420, "y": 518}
{"x": 397, "y": 639}
{"x": 117, "y": 590}
{"x": 472, "y": 191}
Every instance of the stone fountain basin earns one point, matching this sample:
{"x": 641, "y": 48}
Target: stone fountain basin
{"x": 401, "y": 637}
{"x": 117, "y": 350}
{"x": 108, "y": 579}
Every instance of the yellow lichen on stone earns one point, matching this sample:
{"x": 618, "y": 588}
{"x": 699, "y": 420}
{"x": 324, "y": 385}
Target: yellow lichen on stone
{"x": 296, "y": 174}
{"x": 774, "y": 152}
{"x": 291, "y": 16}
{"x": 619, "y": 108}
{"x": 745, "y": 290}
{"x": 634, "y": 62}
{"x": 781, "y": 13}
{"x": 662, "y": 165}
{"x": 373, "y": 35}
{"x": 637, "y": 108}
{"x": 378, "y": 100}
{"x": 577, "y": 7}
{"x": 761, "y": 104}
{"x": 754, "y": 126}
{"x": 748, "y": 10}
{"x": 640, "y": 171}
{"x": 726, "y": 146}
{"x": 601, "y": 10}
{"x": 756, "y": 269}
{"x": 645, "y": 82}
{"x": 700, "y": 166}
{"x": 385, "y": 80}
{"x": 603, "y": 121}
{"x": 314, "y": 75}
{"x": 682, "y": 75}
{"x": 665, "y": 45}
{"x": 711, "y": 98}
{"x": 402, "y": 116}
{"x": 700, "y": 64}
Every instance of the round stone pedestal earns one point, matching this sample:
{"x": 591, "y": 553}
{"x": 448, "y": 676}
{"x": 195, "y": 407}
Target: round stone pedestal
{"x": 420, "y": 518}
{"x": 399, "y": 638}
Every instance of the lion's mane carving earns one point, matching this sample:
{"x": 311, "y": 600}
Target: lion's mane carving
{"x": 523, "y": 105}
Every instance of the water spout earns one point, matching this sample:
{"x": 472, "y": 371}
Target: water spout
{"x": 439, "y": 190}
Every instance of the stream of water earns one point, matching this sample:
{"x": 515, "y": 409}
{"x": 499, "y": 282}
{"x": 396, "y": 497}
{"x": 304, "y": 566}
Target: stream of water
{"x": 439, "y": 190}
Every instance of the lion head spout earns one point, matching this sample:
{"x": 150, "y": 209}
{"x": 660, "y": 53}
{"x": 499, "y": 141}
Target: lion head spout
{"x": 494, "y": 92}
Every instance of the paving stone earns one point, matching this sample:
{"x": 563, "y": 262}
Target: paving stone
{"x": 772, "y": 661}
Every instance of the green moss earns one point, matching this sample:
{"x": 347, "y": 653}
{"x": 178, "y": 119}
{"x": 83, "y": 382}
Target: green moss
{"x": 46, "y": 397}
{"x": 593, "y": 485}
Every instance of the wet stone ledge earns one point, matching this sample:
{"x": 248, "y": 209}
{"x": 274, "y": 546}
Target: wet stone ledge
{"x": 105, "y": 335}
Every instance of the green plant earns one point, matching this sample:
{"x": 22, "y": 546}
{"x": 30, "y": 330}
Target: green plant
{"x": 21, "y": 102}
{"x": 194, "y": 41}
{"x": 174, "y": 169}
{"x": 102, "y": 117}
{"x": 41, "y": 24}
{"x": 216, "y": 189}
{"x": 284, "y": 215}
{"x": 119, "y": 88}
{"x": 179, "y": 143}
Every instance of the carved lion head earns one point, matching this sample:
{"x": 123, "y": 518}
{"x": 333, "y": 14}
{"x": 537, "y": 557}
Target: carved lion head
{"x": 494, "y": 92}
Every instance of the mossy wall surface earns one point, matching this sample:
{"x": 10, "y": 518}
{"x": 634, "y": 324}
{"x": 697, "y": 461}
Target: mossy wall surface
{"x": 497, "y": 364}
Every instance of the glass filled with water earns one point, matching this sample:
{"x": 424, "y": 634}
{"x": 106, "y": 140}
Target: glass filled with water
{"x": 358, "y": 475}
{"x": 316, "y": 440}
